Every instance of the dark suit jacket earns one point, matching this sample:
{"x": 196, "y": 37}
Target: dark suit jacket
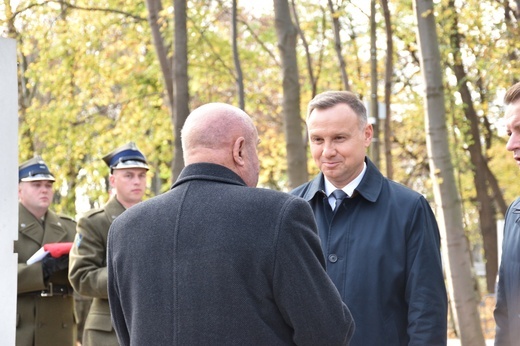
{"x": 213, "y": 261}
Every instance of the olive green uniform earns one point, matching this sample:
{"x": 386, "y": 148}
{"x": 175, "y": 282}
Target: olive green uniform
{"x": 45, "y": 316}
{"x": 88, "y": 271}
{"x": 81, "y": 307}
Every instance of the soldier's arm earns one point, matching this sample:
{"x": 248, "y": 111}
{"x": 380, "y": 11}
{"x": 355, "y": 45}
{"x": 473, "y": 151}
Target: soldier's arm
{"x": 87, "y": 266}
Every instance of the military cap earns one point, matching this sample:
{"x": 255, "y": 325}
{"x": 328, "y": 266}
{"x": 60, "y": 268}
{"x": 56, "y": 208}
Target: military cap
{"x": 33, "y": 170}
{"x": 126, "y": 156}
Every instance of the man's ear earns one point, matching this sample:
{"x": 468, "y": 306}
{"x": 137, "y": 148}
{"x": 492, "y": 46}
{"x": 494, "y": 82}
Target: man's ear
{"x": 111, "y": 179}
{"x": 238, "y": 151}
{"x": 368, "y": 133}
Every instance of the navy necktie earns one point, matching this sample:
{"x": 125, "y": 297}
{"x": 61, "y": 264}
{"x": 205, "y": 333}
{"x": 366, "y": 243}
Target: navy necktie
{"x": 339, "y": 195}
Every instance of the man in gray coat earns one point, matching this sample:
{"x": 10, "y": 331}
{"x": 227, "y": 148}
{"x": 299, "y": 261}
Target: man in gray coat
{"x": 216, "y": 261}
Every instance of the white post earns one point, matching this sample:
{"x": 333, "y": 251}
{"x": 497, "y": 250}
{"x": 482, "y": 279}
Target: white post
{"x": 9, "y": 188}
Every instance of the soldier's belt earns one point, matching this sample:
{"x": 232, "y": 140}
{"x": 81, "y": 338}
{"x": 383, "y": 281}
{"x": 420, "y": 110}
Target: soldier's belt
{"x": 52, "y": 290}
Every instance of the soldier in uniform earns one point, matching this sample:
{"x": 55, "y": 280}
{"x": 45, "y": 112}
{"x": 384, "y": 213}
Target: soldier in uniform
{"x": 45, "y": 304}
{"x": 88, "y": 268}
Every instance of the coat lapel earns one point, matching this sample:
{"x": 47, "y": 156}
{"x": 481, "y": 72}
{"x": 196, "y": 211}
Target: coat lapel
{"x": 113, "y": 209}
{"x": 54, "y": 230}
{"x": 32, "y": 230}
{"x": 29, "y": 226}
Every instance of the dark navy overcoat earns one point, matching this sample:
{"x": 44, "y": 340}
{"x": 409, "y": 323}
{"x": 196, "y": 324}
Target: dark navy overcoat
{"x": 382, "y": 249}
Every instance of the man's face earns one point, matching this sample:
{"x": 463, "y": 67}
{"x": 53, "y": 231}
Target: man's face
{"x": 338, "y": 144}
{"x": 36, "y": 196}
{"x": 512, "y": 116}
{"x": 129, "y": 184}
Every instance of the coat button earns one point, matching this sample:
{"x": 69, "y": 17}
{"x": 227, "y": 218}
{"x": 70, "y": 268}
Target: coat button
{"x": 333, "y": 258}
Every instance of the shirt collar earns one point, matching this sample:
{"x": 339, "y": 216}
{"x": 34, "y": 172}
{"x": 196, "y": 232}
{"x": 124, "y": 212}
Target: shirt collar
{"x": 350, "y": 187}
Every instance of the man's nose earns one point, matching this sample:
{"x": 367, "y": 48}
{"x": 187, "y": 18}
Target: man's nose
{"x": 513, "y": 142}
{"x": 329, "y": 150}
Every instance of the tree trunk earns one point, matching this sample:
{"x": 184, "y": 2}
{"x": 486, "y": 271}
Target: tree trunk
{"x": 181, "y": 91}
{"x": 296, "y": 153}
{"x": 236, "y": 58}
{"x": 486, "y": 208}
{"x": 312, "y": 80}
{"x": 498, "y": 196}
{"x": 374, "y": 111}
{"x": 154, "y": 8}
{"x": 337, "y": 45}
{"x": 389, "y": 72}
{"x": 449, "y": 210}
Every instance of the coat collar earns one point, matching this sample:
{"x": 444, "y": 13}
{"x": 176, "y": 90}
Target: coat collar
{"x": 113, "y": 209}
{"x": 369, "y": 187}
{"x": 31, "y": 227}
{"x": 208, "y": 171}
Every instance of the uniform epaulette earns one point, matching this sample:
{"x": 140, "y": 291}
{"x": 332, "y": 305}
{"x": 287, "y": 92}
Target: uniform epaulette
{"x": 93, "y": 212}
{"x": 66, "y": 217}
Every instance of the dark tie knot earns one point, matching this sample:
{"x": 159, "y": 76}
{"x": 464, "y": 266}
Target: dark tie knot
{"x": 339, "y": 195}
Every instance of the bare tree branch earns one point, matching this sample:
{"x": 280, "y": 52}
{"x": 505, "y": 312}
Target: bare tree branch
{"x": 81, "y": 8}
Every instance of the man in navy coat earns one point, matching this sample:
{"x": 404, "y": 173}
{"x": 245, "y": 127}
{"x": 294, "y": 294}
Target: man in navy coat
{"x": 216, "y": 261}
{"x": 507, "y": 311}
{"x": 380, "y": 239}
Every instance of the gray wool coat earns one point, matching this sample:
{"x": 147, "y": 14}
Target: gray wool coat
{"x": 214, "y": 262}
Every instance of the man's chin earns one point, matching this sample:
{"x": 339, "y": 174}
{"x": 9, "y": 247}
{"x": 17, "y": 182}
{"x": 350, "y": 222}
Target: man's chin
{"x": 330, "y": 172}
{"x": 136, "y": 198}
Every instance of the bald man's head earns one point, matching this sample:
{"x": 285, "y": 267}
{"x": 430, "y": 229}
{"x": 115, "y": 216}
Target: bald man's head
{"x": 222, "y": 134}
